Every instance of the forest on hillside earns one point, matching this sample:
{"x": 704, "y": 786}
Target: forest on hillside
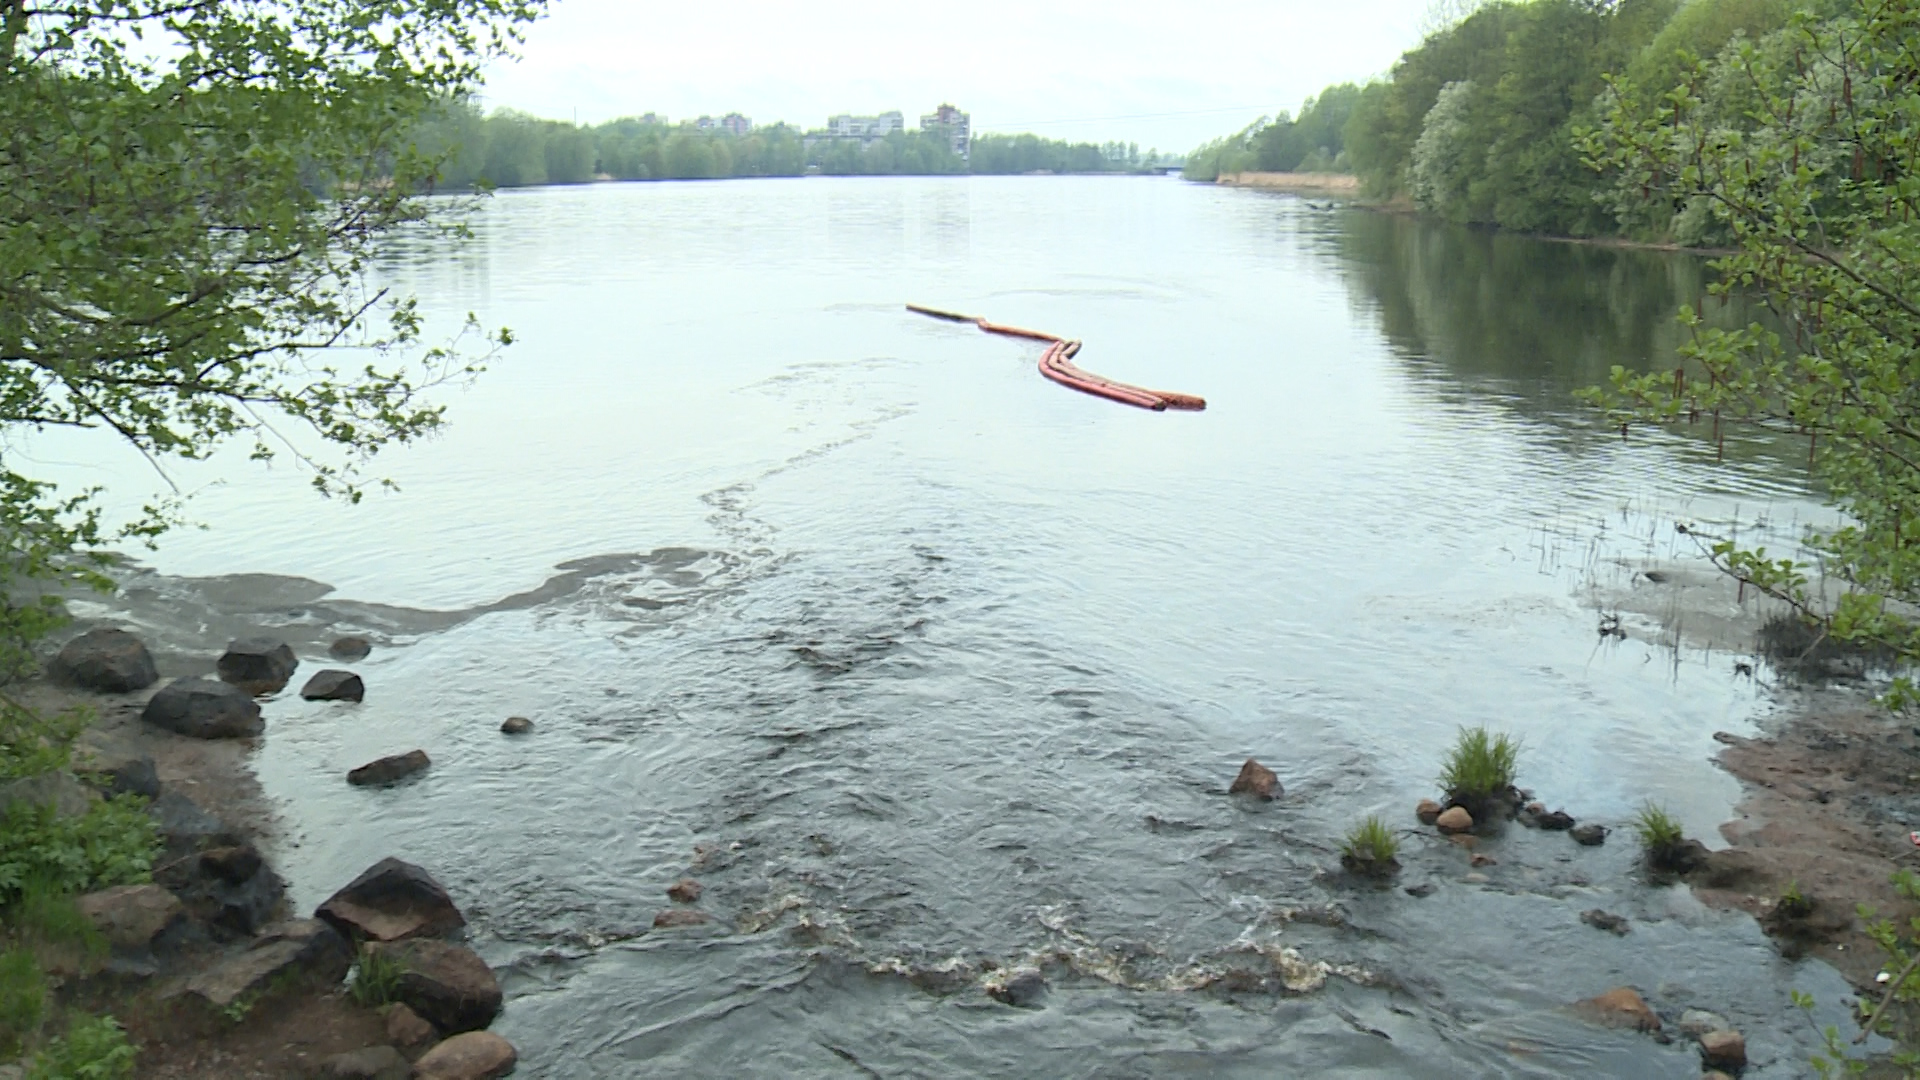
{"x": 1483, "y": 121}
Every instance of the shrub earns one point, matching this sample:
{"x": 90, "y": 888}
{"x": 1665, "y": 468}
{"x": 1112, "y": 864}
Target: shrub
{"x": 95, "y": 1048}
{"x": 1370, "y": 847}
{"x": 1480, "y": 766}
{"x": 111, "y": 844}
{"x": 1793, "y": 903}
{"x": 376, "y": 978}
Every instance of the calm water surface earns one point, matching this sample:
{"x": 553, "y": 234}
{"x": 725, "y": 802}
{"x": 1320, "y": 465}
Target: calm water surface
{"x": 926, "y": 667}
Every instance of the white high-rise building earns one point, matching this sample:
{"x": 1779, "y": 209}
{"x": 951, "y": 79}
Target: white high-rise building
{"x": 954, "y": 124}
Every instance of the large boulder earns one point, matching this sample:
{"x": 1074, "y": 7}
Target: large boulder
{"x": 204, "y": 709}
{"x": 105, "y": 659}
{"x": 350, "y": 649}
{"x": 257, "y": 665}
{"x": 131, "y": 916}
{"x": 389, "y": 770}
{"x": 118, "y": 771}
{"x": 231, "y": 888}
{"x": 334, "y": 685}
{"x": 301, "y": 951}
{"x": 448, "y": 985}
{"x": 187, "y": 829}
{"x": 476, "y": 1055}
{"x": 392, "y": 901}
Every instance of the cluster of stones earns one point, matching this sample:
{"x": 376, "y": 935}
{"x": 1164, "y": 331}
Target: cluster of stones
{"x": 213, "y": 888}
{"x": 1723, "y": 1050}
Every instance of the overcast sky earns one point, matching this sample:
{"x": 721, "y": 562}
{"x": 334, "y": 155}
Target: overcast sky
{"x": 1061, "y": 68}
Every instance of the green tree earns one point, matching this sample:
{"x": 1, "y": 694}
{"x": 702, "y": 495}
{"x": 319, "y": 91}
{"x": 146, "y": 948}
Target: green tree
{"x": 190, "y": 197}
{"x": 1807, "y": 163}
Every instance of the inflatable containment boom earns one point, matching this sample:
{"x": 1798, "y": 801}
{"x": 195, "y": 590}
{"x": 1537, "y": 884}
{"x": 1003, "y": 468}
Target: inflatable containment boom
{"x": 1057, "y": 364}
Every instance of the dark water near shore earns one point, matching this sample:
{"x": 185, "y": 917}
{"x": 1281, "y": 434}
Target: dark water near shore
{"x": 923, "y": 665}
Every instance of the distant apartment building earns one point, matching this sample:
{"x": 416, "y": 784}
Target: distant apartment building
{"x": 868, "y": 129}
{"x": 732, "y": 124}
{"x": 949, "y": 121}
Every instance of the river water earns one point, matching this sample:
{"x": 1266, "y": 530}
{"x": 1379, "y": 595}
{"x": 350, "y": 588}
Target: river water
{"x": 926, "y": 667}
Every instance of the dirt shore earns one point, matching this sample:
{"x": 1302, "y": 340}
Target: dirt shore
{"x": 1301, "y": 183}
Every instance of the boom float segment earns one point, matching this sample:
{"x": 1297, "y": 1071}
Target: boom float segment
{"x": 1057, "y": 364}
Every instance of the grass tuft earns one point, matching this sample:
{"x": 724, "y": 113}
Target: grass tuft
{"x": 1370, "y": 846}
{"x": 1659, "y": 831}
{"x": 1480, "y": 766}
{"x": 23, "y": 1000}
{"x": 376, "y": 979}
{"x": 1793, "y": 903}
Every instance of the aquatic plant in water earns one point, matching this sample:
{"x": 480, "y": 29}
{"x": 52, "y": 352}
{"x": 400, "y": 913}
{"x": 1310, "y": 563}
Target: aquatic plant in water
{"x": 1370, "y": 847}
{"x": 1659, "y": 832}
{"x": 1480, "y": 766}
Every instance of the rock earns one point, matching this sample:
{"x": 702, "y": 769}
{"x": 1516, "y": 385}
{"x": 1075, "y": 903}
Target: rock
{"x": 517, "y": 725}
{"x": 1476, "y": 878}
{"x": 1697, "y": 1022}
{"x": 258, "y": 665}
{"x": 186, "y": 829}
{"x": 233, "y": 865}
{"x": 389, "y": 769}
{"x": 373, "y": 1063}
{"x": 121, "y": 772}
{"x": 1023, "y": 989}
{"x": 1428, "y": 811}
{"x": 350, "y": 649}
{"x": 1454, "y": 820}
{"x": 392, "y": 901}
{"x": 60, "y": 790}
{"x": 1256, "y": 780}
{"x": 1603, "y": 920}
{"x": 204, "y": 709}
{"x": 448, "y": 985}
{"x": 1422, "y": 890}
{"x": 299, "y": 951}
{"x": 1715, "y": 1074}
{"x": 105, "y": 659}
{"x": 1729, "y": 869}
{"x": 1588, "y": 835}
{"x": 334, "y": 685}
{"x": 131, "y": 916}
{"x": 227, "y": 886}
{"x": 685, "y": 891}
{"x": 1682, "y": 857}
{"x": 1726, "y": 1050}
{"x": 1621, "y": 1007}
{"x": 675, "y": 918}
{"x": 1555, "y": 821}
{"x": 407, "y": 1029}
{"x": 1483, "y": 860}
{"x": 476, "y": 1055}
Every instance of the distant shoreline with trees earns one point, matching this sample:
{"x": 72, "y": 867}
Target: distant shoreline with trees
{"x": 509, "y": 149}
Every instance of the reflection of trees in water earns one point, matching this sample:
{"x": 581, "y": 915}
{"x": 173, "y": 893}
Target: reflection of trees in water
{"x": 1546, "y": 318}
{"x": 1533, "y": 321}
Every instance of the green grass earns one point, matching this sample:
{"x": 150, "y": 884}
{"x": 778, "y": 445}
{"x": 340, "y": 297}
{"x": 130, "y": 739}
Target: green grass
{"x": 95, "y": 1048}
{"x": 114, "y": 843}
{"x": 376, "y": 979}
{"x": 1480, "y": 765}
{"x": 45, "y": 917}
{"x": 23, "y": 1000}
{"x": 1794, "y": 903}
{"x": 1658, "y": 830}
{"x": 1370, "y": 845}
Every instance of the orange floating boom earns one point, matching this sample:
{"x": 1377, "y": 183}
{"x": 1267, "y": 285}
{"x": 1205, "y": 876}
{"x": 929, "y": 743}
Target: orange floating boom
{"x": 1056, "y": 364}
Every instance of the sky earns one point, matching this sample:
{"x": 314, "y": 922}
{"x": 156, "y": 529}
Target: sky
{"x": 1160, "y": 74}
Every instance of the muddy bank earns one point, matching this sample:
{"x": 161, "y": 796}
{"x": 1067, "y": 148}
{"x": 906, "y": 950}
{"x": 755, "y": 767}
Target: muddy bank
{"x": 1300, "y": 183}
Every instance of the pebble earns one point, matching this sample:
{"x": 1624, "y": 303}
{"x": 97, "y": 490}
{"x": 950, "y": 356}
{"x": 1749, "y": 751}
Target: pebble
{"x": 1589, "y": 835}
{"x": 1725, "y": 1050}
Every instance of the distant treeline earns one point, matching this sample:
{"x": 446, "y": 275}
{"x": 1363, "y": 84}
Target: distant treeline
{"x": 1480, "y": 122}
{"x": 512, "y": 149}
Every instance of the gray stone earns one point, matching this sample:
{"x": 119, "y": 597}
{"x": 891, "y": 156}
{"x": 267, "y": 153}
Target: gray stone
{"x": 131, "y": 916}
{"x": 350, "y": 649}
{"x": 1588, "y": 835}
{"x": 1025, "y": 988}
{"x": 334, "y": 685}
{"x": 105, "y": 659}
{"x": 1697, "y": 1022}
{"x": 300, "y": 951}
{"x": 517, "y": 725}
{"x": 389, "y": 769}
{"x": 62, "y": 791}
{"x": 372, "y": 1063}
{"x": 258, "y": 665}
{"x": 476, "y": 1055}
{"x": 448, "y": 985}
{"x": 1725, "y": 1050}
{"x": 392, "y": 901}
{"x": 122, "y": 772}
{"x": 204, "y": 709}
{"x": 185, "y": 828}
{"x": 1606, "y": 920}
